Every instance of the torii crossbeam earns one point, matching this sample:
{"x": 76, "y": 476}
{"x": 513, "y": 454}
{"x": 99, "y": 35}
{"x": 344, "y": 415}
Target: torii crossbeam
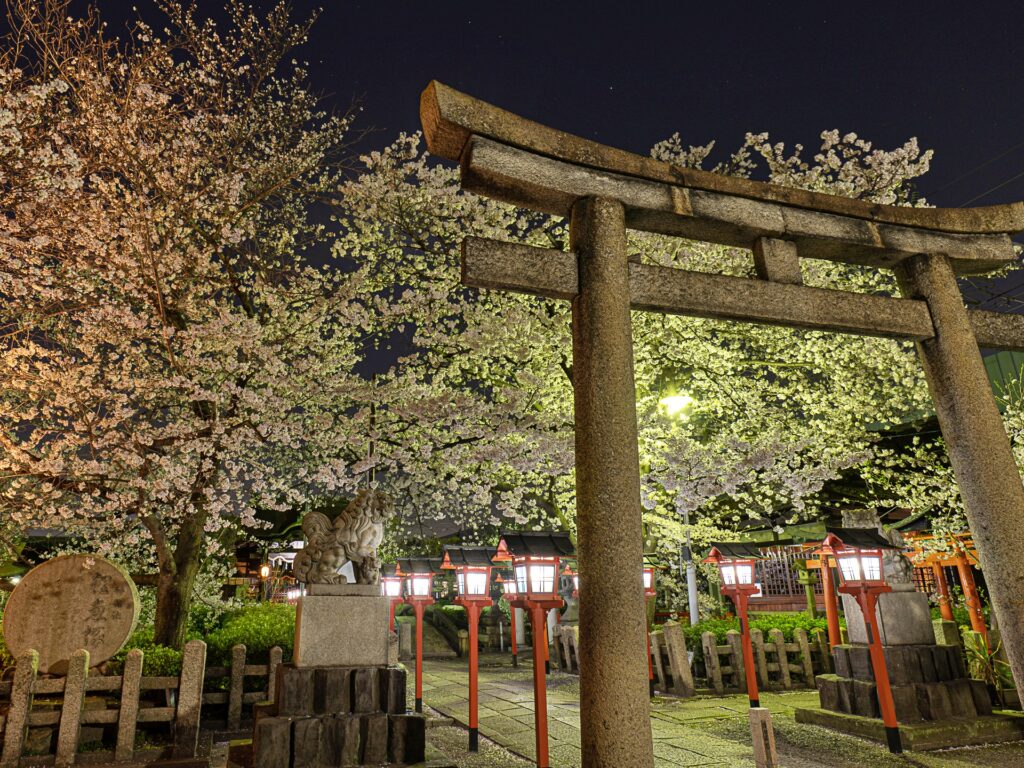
{"x": 604, "y": 191}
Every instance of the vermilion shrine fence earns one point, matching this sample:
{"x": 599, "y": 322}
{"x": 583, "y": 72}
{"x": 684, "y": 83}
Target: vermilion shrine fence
{"x": 603, "y": 191}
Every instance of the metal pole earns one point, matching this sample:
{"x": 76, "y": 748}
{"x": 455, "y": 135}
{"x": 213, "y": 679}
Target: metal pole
{"x": 417, "y": 608}
{"x": 867, "y": 601}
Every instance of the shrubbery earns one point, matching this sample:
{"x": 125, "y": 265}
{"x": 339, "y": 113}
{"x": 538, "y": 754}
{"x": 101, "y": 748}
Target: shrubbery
{"x": 258, "y": 627}
{"x": 787, "y": 622}
{"x": 157, "y": 660}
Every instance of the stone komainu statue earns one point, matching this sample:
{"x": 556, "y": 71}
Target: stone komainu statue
{"x": 354, "y": 536}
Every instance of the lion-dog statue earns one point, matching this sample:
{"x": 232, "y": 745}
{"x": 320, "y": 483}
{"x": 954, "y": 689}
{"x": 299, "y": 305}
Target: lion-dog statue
{"x": 354, "y": 536}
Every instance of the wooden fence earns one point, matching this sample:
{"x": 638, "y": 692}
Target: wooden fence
{"x": 780, "y": 665}
{"x": 183, "y": 699}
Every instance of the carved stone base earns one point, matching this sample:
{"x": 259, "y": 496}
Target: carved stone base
{"x": 341, "y": 630}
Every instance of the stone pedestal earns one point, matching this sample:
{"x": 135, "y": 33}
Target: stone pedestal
{"x": 334, "y": 716}
{"x": 904, "y": 618}
{"x": 342, "y": 629}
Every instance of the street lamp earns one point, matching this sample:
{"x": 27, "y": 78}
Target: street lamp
{"x": 535, "y": 558}
{"x": 264, "y": 575}
{"x": 736, "y": 574}
{"x": 508, "y": 591}
{"x": 419, "y": 578}
{"x": 862, "y": 574}
{"x": 391, "y": 588}
{"x": 472, "y": 566}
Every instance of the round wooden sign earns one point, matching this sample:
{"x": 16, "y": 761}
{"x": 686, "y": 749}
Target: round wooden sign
{"x": 69, "y": 603}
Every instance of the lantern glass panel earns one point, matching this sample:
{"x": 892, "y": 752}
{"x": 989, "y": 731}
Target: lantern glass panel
{"x": 521, "y": 585}
{"x": 745, "y": 573}
{"x": 461, "y": 578}
{"x": 849, "y": 565}
{"x": 392, "y": 587}
{"x": 871, "y": 565}
{"x": 576, "y": 582}
{"x": 728, "y": 574}
{"x": 476, "y": 583}
{"x": 648, "y": 578}
{"x": 420, "y": 586}
{"x": 509, "y": 585}
{"x": 542, "y": 578}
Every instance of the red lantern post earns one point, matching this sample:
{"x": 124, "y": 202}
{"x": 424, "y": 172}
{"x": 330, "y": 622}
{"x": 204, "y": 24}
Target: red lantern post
{"x": 472, "y": 566}
{"x": 391, "y": 587}
{"x": 650, "y": 592}
{"x": 862, "y": 574}
{"x": 535, "y": 559}
{"x": 419, "y": 584}
{"x": 736, "y": 575}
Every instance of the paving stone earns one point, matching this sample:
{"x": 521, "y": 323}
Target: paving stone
{"x": 272, "y": 742}
{"x": 295, "y": 689}
{"x": 365, "y": 690}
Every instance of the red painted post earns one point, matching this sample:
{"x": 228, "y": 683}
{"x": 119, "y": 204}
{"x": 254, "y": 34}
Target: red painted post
{"x": 473, "y": 616}
{"x": 547, "y": 647}
{"x": 540, "y": 693}
{"x": 748, "y": 649}
{"x": 391, "y": 614}
{"x": 417, "y": 607}
{"x": 867, "y": 601}
{"x": 828, "y": 588}
{"x": 650, "y": 665}
{"x": 515, "y": 648}
{"x": 942, "y": 586}
{"x": 971, "y": 596}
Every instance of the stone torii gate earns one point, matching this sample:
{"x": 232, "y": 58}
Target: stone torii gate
{"x": 604, "y": 191}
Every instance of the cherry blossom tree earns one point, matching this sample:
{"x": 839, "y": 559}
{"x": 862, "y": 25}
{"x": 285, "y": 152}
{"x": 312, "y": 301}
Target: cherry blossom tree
{"x": 172, "y": 358}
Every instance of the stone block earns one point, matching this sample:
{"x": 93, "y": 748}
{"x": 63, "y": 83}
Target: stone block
{"x": 828, "y": 692}
{"x": 982, "y": 700}
{"x": 406, "y": 738}
{"x": 263, "y": 709}
{"x": 961, "y": 698}
{"x": 406, "y": 641}
{"x": 845, "y": 695}
{"x": 957, "y": 665}
{"x": 902, "y": 664}
{"x": 365, "y": 690}
{"x": 332, "y": 691}
{"x": 841, "y": 660}
{"x": 904, "y": 618}
{"x": 392, "y": 688}
{"x": 306, "y": 743}
{"x": 351, "y": 748}
{"x": 860, "y": 663}
{"x": 946, "y": 632}
{"x": 865, "y": 699}
{"x": 373, "y": 733}
{"x": 341, "y": 630}
{"x": 346, "y": 590}
{"x": 940, "y": 658}
{"x": 926, "y": 658}
{"x": 904, "y": 698}
{"x": 295, "y": 690}
{"x": 939, "y": 705}
{"x": 332, "y": 740}
{"x": 272, "y": 742}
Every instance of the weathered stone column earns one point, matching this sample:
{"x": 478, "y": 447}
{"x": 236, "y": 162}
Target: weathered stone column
{"x": 614, "y": 697}
{"x": 979, "y": 449}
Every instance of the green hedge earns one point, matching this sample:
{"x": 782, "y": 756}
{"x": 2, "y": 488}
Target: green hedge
{"x": 157, "y": 660}
{"x": 765, "y": 622}
{"x": 258, "y": 627}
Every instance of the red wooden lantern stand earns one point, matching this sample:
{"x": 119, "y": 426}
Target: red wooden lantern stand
{"x": 736, "y": 575}
{"x": 862, "y": 574}
{"x": 473, "y": 577}
{"x": 419, "y": 582}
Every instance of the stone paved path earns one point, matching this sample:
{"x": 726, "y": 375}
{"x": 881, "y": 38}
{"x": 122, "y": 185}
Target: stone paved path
{"x": 703, "y": 731}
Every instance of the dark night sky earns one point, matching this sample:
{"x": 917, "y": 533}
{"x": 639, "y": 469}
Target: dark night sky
{"x": 630, "y": 74}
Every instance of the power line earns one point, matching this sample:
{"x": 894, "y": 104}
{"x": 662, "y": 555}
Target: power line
{"x": 993, "y": 189}
{"x": 976, "y": 168}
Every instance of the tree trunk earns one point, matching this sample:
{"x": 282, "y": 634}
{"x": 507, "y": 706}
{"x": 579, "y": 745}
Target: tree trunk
{"x": 175, "y": 585}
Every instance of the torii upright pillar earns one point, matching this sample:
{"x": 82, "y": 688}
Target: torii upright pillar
{"x": 614, "y": 692}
